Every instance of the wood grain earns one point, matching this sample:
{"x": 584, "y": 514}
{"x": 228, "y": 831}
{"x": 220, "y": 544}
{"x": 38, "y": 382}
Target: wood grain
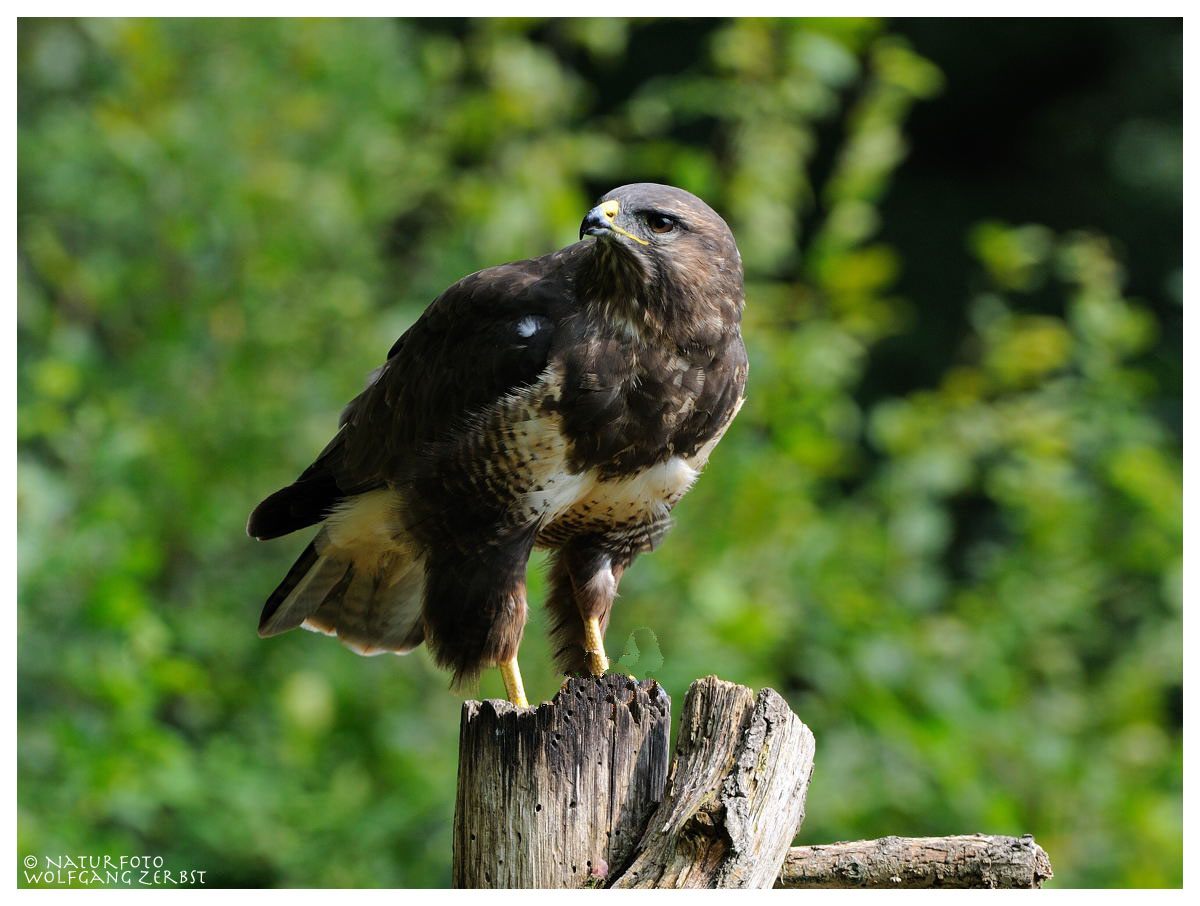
{"x": 973, "y": 860}
{"x": 736, "y": 794}
{"x": 575, "y": 793}
{"x": 557, "y": 795}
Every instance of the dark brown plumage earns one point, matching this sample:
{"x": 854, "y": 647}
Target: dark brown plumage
{"x": 564, "y": 402}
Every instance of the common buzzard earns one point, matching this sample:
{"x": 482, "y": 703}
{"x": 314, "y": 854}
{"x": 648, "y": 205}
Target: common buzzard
{"x": 565, "y": 402}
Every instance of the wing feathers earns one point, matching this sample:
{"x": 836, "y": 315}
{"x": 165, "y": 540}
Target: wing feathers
{"x": 299, "y": 505}
{"x": 302, "y": 591}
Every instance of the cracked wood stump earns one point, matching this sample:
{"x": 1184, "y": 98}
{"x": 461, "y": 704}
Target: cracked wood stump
{"x": 575, "y": 792}
{"x": 550, "y": 796}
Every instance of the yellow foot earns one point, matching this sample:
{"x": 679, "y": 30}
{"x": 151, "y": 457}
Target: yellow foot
{"x": 593, "y": 644}
{"x": 511, "y": 674}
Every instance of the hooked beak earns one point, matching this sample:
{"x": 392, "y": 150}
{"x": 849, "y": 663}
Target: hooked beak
{"x": 600, "y": 219}
{"x": 603, "y": 219}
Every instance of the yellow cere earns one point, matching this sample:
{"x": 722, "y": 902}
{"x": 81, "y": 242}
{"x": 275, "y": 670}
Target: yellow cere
{"x": 611, "y": 209}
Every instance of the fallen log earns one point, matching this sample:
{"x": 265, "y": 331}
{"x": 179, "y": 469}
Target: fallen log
{"x": 973, "y": 860}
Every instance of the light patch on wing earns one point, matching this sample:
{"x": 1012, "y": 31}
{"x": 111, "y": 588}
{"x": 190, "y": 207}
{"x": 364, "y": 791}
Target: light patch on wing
{"x": 528, "y": 326}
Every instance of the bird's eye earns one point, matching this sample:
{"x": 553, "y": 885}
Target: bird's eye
{"x": 660, "y": 223}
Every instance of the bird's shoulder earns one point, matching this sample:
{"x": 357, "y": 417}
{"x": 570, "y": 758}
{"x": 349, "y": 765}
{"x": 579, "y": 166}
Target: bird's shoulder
{"x": 484, "y": 337}
{"x": 481, "y": 305}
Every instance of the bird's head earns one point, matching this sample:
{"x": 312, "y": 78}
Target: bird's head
{"x": 665, "y": 258}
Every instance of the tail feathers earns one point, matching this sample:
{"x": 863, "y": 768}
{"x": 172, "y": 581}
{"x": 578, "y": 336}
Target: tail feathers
{"x": 301, "y": 592}
{"x": 371, "y": 612}
{"x": 374, "y": 614}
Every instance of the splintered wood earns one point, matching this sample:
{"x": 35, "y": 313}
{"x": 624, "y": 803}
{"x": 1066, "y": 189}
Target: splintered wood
{"x": 575, "y": 793}
{"x": 736, "y": 794}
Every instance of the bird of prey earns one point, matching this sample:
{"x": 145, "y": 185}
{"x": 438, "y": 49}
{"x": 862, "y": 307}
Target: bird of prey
{"x": 565, "y": 402}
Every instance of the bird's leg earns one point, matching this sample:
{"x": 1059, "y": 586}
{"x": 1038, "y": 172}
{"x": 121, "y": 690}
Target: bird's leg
{"x": 583, "y": 583}
{"x": 511, "y": 674}
{"x": 595, "y": 577}
{"x": 593, "y": 644}
{"x": 510, "y": 671}
{"x": 474, "y": 614}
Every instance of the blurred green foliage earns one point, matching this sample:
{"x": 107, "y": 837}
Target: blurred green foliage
{"x": 970, "y": 590}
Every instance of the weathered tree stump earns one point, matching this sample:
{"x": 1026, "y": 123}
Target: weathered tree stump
{"x": 552, "y": 796}
{"x": 575, "y": 793}
{"x": 974, "y": 860}
{"x": 736, "y": 795}
{"x": 561, "y": 795}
